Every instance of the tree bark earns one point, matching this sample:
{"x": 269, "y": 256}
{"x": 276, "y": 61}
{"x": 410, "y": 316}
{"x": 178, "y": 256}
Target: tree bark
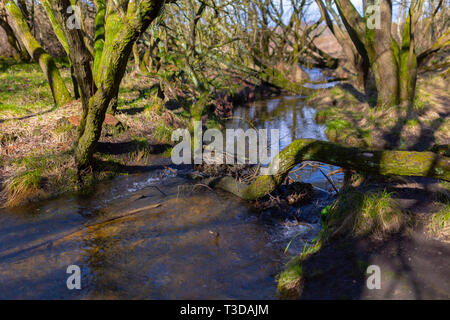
{"x": 21, "y": 55}
{"x": 388, "y": 163}
{"x": 120, "y": 36}
{"x": 73, "y": 41}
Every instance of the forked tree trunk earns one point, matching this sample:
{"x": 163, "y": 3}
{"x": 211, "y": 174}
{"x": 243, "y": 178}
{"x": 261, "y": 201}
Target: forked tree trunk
{"x": 119, "y": 40}
{"x": 394, "y": 66}
{"x": 59, "y": 90}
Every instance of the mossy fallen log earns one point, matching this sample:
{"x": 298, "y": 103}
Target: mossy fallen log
{"x": 388, "y": 163}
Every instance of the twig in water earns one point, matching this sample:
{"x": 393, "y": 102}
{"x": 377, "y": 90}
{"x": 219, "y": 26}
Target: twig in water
{"x": 330, "y": 181}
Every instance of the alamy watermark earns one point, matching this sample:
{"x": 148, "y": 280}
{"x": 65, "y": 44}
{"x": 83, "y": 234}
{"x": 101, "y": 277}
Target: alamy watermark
{"x": 374, "y": 280}
{"x": 74, "y": 20}
{"x": 74, "y": 280}
{"x": 373, "y": 16}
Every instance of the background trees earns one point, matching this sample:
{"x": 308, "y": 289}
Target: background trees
{"x": 394, "y": 63}
{"x": 205, "y": 47}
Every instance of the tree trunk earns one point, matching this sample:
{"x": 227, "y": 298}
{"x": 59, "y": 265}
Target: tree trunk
{"x": 388, "y": 163}
{"x": 59, "y": 90}
{"x": 73, "y": 41}
{"x": 382, "y": 55}
{"x": 99, "y": 36}
{"x": 137, "y": 60}
{"x": 119, "y": 40}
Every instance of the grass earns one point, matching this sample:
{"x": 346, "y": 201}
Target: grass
{"x": 163, "y": 133}
{"x": 372, "y": 214}
{"x": 142, "y": 151}
{"x": 34, "y": 173}
{"x": 439, "y": 224}
{"x": 24, "y": 90}
{"x": 290, "y": 280}
{"x": 357, "y": 122}
{"x": 36, "y": 139}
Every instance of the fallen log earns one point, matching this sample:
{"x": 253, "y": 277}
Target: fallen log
{"x": 385, "y": 162}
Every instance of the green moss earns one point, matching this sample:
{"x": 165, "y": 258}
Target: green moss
{"x": 412, "y": 123}
{"x": 289, "y": 281}
{"x": 374, "y": 214}
{"x": 338, "y": 124}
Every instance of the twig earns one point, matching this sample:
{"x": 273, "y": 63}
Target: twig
{"x": 330, "y": 181}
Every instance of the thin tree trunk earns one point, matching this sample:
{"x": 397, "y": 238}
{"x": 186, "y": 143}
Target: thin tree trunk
{"x": 13, "y": 41}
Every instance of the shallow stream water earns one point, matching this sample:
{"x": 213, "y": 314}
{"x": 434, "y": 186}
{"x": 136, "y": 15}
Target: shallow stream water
{"x": 198, "y": 244}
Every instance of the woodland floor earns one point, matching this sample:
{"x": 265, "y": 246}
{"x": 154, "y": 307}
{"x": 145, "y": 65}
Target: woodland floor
{"x": 36, "y": 139}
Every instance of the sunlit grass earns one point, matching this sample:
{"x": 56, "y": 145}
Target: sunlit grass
{"x": 373, "y": 214}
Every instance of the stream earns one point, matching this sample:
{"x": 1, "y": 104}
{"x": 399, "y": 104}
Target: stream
{"x": 198, "y": 244}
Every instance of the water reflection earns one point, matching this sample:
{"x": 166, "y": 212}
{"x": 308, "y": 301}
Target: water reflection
{"x": 295, "y": 120}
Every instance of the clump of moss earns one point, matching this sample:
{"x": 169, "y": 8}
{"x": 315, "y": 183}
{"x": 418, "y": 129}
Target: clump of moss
{"x": 439, "y": 224}
{"x": 373, "y": 214}
{"x": 290, "y": 280}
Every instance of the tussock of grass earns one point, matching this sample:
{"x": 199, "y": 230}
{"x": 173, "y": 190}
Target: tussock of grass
{"x": 439, "y": 224}
{"x": 163, "y": 133}
{"x": 372, "y": 214}
{"x": 142, "y": 151}
{"x": 23, "y": 185}
{"x": 33, "y": 175}
{"x": 290, "y": 280}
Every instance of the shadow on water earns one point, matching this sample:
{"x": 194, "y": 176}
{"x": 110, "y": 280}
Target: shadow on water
{"x": 198, "y": 243}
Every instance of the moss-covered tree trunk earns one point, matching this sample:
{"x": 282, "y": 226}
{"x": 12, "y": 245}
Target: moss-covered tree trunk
{"x": 394, "y": 66}
{"x": 120, "y": 36}
{"x": 382, "y": 56}
{"x": 73, "y": 41}
{"x": 59, "y": 90}
{"x": 99, "y": 36}
{"x": 389, "y": 163}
